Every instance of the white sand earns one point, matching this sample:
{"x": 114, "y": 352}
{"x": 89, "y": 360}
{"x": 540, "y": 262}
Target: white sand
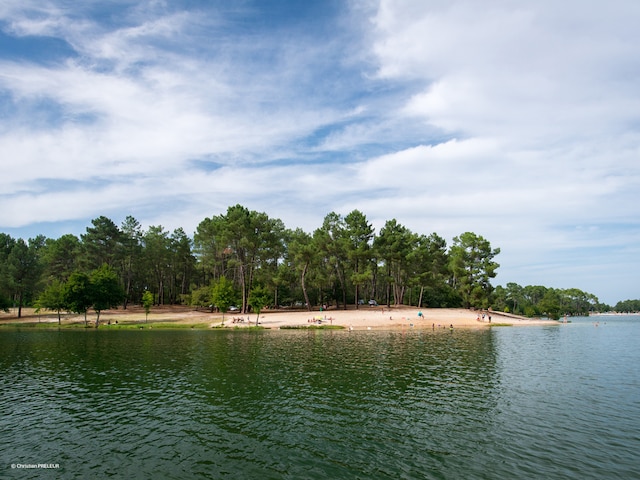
{"x": 357, "y": 319}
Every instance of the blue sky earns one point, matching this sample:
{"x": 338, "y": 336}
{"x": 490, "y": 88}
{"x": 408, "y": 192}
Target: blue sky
{"x": 519, "y": 121}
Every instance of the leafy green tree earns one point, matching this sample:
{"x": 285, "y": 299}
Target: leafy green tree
{"x": 201, "y": 297}
{"x": 223, "y": 295}
{"x": 156, "y": 244}
{"x": 78, "y": 294}
{"x": 515, "y": 296}
{"x": 210, "y": 248}
{"x": 102, "y": 243}
{"x": 105, "y": 290}
{"x": 147, "y": 303}
{"x": 4, "y": 303}
{"x": 181, "y": 264}
{"x": 531, "y": 296}
{"x": 394, "y": 246}
{"x": 24, "y": 268}
{"x": 62, "y": 257}
{"x": 499, "y": 300}
{"x": 272, "y": 254}
{"x": 359, "y": 235}
{"x": 627, "y": 306}
{"x": 131, "y": 263}
{"x": 6, "y": 245}
{"x": 53, "y": 298}
{"x": 258, "y": 299}
{"x": 246, "y": 232}
{"x": 551, "y": 304}
{"x": 238, "y": 245}
{"x": 576, "y": 302}
{"x": 302, "y": 253}
{"x": 429, "y": 270}
{"x": 332, "y": 245}
{"x": 472, "y": 268}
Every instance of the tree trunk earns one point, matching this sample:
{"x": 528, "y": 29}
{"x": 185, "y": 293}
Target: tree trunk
{"x": 304, "y": 287}
{"x": 357, "y": 300}
{"x": 127, "y": 289}
{"x": 388, "y": 286}
{"x": 244, "y": 289}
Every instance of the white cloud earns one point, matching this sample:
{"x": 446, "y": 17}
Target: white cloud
{"x": 516, "y": 121}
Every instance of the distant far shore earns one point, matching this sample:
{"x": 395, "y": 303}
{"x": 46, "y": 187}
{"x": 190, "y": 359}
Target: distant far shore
{"x": 363, "y": 318}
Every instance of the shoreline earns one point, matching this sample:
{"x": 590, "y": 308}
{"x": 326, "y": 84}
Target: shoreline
{"x": 365, "y": 318}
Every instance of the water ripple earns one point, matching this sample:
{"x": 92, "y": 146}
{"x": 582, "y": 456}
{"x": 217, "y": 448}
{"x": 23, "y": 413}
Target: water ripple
{"x": 505, "y": 403}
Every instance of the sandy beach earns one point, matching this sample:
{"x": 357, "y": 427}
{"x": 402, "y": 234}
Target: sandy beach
{"x": 364, "y": 318}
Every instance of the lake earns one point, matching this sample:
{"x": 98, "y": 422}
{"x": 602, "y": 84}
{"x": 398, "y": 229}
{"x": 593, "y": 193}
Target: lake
{"x": 558, "y": 402}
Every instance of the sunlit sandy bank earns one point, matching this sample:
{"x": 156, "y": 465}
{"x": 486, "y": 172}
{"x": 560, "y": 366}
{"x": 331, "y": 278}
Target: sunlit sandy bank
{"x": 364, "y": 318}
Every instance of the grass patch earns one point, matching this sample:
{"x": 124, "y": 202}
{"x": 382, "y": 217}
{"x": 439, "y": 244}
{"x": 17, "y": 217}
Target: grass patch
{"x": 156, "y": 326}
{"x": 105, "y": 326}
{"x": 501, "y": 325}
{"x": 38, "y": 325}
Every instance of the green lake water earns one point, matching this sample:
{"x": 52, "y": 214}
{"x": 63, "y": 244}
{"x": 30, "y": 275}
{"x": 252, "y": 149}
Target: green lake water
{"x": 503, "y": 403}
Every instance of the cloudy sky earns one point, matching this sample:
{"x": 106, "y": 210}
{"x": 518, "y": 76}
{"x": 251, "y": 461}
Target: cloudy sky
{"x": 516, "y": 120}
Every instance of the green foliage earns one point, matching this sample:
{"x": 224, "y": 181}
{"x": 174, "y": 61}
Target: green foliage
{"x": 551, "y": 304}
{"x": 394, "y": 246}
{"x": 105, "y": 290}
{"x": 147, "y": 303}
{"x": 472, "y": 267}
{"x": 102, "y": 242}
{"x": 238, "y": 244}
{"x": 223, "y": 295}
{"x": 201, "y": 297}
{"x": 302, "y": 254}
{"x": 62, "y": 257}
{"x": 627, "y": 306}
{"x": 359, "y": 237}
{"x": 22, "y": 269}
{"x": 536, "y": 300}
{"x": 78, "y": 294}
{"x": 341, "y": 262}
{"x": 4, "y": 303}
{"x": 258, "y": 299}
{"x": 53, "y": 298}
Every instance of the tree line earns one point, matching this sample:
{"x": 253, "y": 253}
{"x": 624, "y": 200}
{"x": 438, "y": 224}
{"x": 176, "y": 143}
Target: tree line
{"x": 537, "y": 300}
{"x": 247, "y": 259}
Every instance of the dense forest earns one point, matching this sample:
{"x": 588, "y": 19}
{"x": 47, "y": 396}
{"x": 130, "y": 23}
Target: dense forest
{"x": 245, "y": 259}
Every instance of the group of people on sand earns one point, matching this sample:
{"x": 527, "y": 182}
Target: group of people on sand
{"x": 319, "y": 320}
{"x": 483, "y": 316}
